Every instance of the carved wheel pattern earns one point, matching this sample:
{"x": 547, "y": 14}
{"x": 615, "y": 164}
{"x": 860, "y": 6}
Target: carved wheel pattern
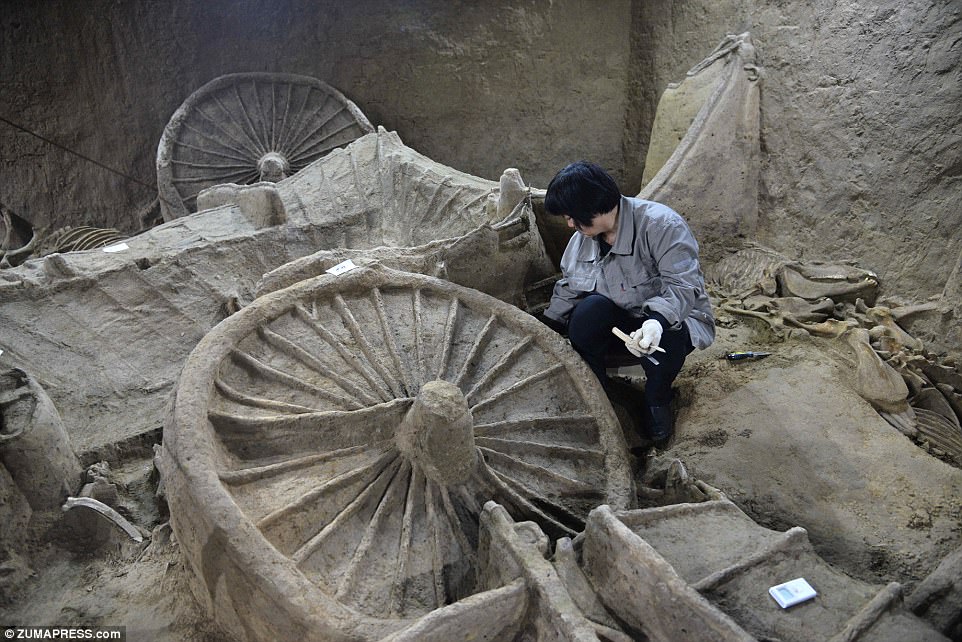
{"x": 309, "y": 390}
{"x": 243, "y": 128}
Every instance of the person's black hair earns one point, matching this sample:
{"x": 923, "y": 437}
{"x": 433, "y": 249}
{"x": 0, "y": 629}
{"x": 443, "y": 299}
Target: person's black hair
{"x": 582, "y": 190}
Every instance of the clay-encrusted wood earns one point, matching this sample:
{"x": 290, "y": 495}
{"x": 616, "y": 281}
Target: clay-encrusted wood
{"x": 332, "y": 445}
{"x": 243, "y": 128}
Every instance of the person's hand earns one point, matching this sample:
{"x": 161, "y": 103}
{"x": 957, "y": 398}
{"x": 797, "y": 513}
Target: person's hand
{"x": 645, "y": 339}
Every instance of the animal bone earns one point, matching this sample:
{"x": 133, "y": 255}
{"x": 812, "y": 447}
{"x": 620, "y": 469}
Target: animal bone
{"x": 876, "y": 381}
{"x": 818, "y": 280}
{"x": 933, "y": 400}
{"x": 828, "y": 328}
{"x": 883, "y": 316}
{"x": 746, "y": 272}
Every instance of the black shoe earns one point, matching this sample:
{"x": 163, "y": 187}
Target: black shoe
{"x": 660, "y": 425}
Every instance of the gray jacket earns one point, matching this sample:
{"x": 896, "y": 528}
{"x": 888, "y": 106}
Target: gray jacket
{"x": 653, "y": 266}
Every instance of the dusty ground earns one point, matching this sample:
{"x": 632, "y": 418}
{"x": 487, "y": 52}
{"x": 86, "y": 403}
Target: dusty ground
{"x": 785, "y": 437}
{"x": 120, "y": 583}
{"x": 789, "y": 441}
{"x": 144, "y": 590}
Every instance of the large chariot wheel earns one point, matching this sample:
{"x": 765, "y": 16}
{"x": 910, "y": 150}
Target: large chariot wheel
{"x": 332, "y": 445}
{"x": 244, "y": 128}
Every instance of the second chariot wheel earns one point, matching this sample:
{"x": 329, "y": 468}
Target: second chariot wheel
{"x": 244, "y": 128}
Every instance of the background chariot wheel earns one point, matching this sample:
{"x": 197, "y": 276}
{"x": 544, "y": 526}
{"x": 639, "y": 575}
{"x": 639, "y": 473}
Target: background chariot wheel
{"x": 244, "y": 128}
{"x": 332, "y": 445}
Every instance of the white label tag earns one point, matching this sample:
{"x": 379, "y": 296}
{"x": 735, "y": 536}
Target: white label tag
{"x": 342, "y": 267}
{"x": 791, "y": 593}
{"x": 119, "y": 247}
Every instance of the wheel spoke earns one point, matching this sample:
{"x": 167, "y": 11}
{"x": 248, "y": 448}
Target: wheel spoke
{"x": 588, "y": 456}
{"x": 346, "y": 584}
{"x": 251, "y": 131}
{"x": 284, "y": 146}
{"x": 480, "y": 340}
{"x": 418, "y": 339}
{"x": 241, "y": 476}
{"x": 194, "y": 165}
{"x": 411, "y": 500}
{"x": 449, "y": 329}
{"x": 527, "y": 381}
{"x": 390, "y": 343}
{"x": 583, "y": 426}
{"x": 262, "y": 403}
{"x": 508, "y": 359}
{"x": 310, "y": 151}
{"x": 298, "y": 149}
{"x": 508, "y": 489}
{"x": 303, "y": 133}
{"x": 455, "y": 522}
{"x": 248, "y": 155}
{"x": 560, "y": 484}
{"x": 350, "y": 358}
{"x": 358, "y": 333}
{"x": 210, "y": 178}
{"x": 437, "y": 559}
{"x": 262, "y": 113}
{"x": 308, "y": 359}
{"x": 331, "y": 428}
{"x": 209, "y": 152}
{"x": 282, "y": 129}
{"x": 245, "y": 141}
{"x": 314, "y": 544}
{"x": 363, "y": 475}
{"x": 281, "y": 377}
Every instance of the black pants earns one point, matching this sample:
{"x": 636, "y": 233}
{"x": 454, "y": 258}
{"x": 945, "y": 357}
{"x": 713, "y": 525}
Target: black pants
{"x": 589, "y": 329}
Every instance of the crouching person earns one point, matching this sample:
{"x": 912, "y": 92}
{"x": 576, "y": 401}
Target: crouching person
{"x": 631, "y": 264}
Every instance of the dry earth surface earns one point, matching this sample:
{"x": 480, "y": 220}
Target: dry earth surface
{"x": 786, "y": 437}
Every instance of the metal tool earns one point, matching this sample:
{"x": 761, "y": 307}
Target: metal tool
{"x": 746, "y": 355}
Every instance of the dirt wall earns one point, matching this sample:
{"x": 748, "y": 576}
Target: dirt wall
{"x": 862, "y": 135}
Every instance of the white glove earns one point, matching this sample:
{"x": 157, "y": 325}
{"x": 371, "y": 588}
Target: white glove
{"x": 645, "y": 339}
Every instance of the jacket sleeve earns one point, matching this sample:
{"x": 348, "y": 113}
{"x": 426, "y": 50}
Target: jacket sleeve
{"x": 675, "y": 252}
{"x": 563, "y": 301}
{"x": 564, "y": 298}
